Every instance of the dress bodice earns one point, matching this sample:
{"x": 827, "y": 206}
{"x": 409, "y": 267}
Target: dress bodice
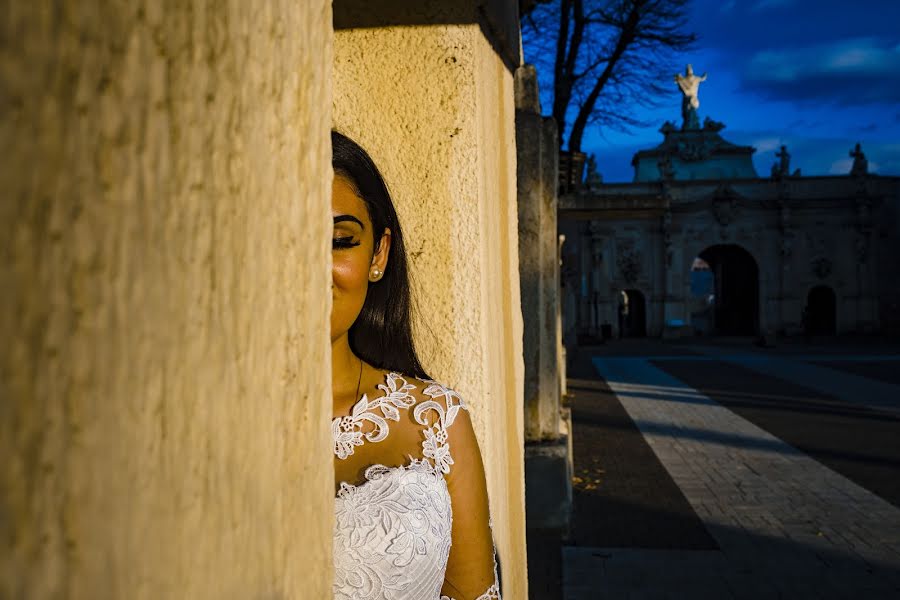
{"x": 392, "y": 534}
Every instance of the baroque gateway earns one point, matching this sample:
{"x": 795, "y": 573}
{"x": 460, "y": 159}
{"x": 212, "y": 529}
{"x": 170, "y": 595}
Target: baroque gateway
{"x": 699, "y": 244}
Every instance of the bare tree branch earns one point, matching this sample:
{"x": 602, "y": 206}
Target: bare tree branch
{"x": 609, "y": 57}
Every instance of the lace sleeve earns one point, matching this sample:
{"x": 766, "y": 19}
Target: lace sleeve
{"x": 471, "y": 567}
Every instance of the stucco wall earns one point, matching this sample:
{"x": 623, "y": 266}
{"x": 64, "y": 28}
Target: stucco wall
{"x": 164, "y": 388}
{"x": 434, "y": 106}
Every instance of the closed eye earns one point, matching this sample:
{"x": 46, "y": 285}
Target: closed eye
{"x": 339, "y": 243}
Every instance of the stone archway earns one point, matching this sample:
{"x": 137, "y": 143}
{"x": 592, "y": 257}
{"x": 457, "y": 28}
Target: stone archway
{"x": 735, "y": 299}
{"x": 821, "y": 311}
{"x": 632, "y": 313}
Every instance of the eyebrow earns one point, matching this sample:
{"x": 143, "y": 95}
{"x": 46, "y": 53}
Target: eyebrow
{"x": 342, "y": 218}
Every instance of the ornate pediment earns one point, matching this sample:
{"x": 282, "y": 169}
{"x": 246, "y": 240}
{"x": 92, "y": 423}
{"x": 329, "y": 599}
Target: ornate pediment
{"x": 690, "y": 150}
{"x": 725, "y": 205}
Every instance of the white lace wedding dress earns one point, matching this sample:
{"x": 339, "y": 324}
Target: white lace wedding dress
{"x": 392, "y": 532}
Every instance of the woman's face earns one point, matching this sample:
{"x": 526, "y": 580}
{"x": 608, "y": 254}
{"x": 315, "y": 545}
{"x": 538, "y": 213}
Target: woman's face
{"x": 355, "y": 262}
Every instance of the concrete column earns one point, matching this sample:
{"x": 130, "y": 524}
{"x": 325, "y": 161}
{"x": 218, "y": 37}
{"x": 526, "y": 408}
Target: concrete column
{"x": 166, "y": 296}
{"x": 597, "y": 279}
{"x": 547, "y": 457}
{"x": 538, "y": 257}
{"x": 584, "y": 293}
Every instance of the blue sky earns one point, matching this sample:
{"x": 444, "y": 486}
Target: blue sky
{"x": 817, "y": 76}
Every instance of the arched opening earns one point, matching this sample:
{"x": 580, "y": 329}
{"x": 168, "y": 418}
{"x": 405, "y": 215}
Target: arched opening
{"x": 735, "y": 290}
{"x": 632, "y": 314}
{"x": 821, "y": 311}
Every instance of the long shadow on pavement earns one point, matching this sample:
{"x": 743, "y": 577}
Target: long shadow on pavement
{"x": 748, "y": 566}
{"x": 635, "y": 535}
{"x": 623, "y": 495}
{"x": 860, "y": 444}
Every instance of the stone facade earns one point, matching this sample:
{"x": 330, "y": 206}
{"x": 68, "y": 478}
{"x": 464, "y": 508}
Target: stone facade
{"x": 784, "y": 254}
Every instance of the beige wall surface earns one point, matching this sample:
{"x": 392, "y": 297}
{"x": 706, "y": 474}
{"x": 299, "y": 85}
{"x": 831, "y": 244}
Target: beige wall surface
{"x": 164, "y": 380}
{"x": 434, "y": 106}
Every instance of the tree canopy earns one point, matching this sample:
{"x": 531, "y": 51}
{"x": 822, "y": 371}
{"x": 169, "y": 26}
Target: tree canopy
{"x": 603, "y": 58}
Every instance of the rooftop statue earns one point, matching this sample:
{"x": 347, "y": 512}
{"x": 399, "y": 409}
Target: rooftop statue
{"x": 689, "y": 84}
{"x": 860, "y": 164}
{"x": 695, "y": 150}
{"x": 783, "y": 167}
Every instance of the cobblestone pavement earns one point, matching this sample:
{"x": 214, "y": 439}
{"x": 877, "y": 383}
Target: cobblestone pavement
{"x": 786, "y": 525}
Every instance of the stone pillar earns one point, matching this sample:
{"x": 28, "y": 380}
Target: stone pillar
{"x": 599, "y": 289}
{"x": 166, "y": 283}
{"x": 787, "y": 318}
{"x": 585, "y": 301}
{"x": 667, "y": 251}
{"x": 538, "y": 258}
{"x": 427, "y": 88}
{"x": 547, "y": 460}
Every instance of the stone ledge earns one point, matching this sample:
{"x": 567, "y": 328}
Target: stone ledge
{"x": 548, "y": 484}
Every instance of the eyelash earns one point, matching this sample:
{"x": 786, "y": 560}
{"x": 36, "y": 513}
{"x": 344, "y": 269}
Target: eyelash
{"x": 340, "y": 243}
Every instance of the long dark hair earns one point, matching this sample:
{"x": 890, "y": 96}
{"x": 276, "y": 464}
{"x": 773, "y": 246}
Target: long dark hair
{"x": 382, "y": 333}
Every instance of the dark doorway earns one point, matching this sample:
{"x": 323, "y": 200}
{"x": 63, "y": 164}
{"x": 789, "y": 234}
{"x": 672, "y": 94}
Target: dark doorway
{"x": 735, "y": 289}
{"x": 632, "y": 314}
{"x": 821, "y": 307}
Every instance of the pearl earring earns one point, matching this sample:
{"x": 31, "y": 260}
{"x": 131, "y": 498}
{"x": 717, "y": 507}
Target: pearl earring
{"x": 376, "y": 274}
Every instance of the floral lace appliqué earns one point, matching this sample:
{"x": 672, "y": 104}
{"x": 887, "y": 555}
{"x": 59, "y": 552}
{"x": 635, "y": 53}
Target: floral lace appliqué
{"x": 346, "y": 432}
{"x": 437, "y": 417}
{"x": 435, "y": 445}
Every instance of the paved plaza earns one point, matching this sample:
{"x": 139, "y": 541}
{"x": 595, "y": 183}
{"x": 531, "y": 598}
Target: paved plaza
{"x": 777, "y": 471}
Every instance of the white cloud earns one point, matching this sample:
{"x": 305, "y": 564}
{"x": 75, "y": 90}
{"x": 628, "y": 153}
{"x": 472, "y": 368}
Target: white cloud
{"x": 852, "y": 71}
{"x": 767, "y": 144}
{"x": 856, "y": 55}
{"x": 840, "y": 166}
{"x": 818, "y": 155}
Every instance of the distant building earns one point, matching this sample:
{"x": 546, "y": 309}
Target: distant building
{"x": 700, "y": 244}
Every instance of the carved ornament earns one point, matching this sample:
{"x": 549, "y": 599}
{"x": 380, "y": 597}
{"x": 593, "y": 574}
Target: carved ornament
{"x": 821, "y": 267}
{"x": 628, "y": 261}
{"x": 725, "y": 206}
{"x": 690, "y": 151}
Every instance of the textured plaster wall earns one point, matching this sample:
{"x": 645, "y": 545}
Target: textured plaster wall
{"x": 164, "y": 388}
{"x": 434, "y": 105}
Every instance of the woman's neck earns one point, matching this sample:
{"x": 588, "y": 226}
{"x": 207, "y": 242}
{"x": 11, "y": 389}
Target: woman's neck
{"x": 345, "y": 373}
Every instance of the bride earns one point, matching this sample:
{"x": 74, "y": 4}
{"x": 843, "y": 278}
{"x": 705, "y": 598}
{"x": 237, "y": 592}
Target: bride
{"x": 411, "y": 512}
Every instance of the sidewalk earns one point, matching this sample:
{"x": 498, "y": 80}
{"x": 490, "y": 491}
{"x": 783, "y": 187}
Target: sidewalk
{"x": 783, "y": 524}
